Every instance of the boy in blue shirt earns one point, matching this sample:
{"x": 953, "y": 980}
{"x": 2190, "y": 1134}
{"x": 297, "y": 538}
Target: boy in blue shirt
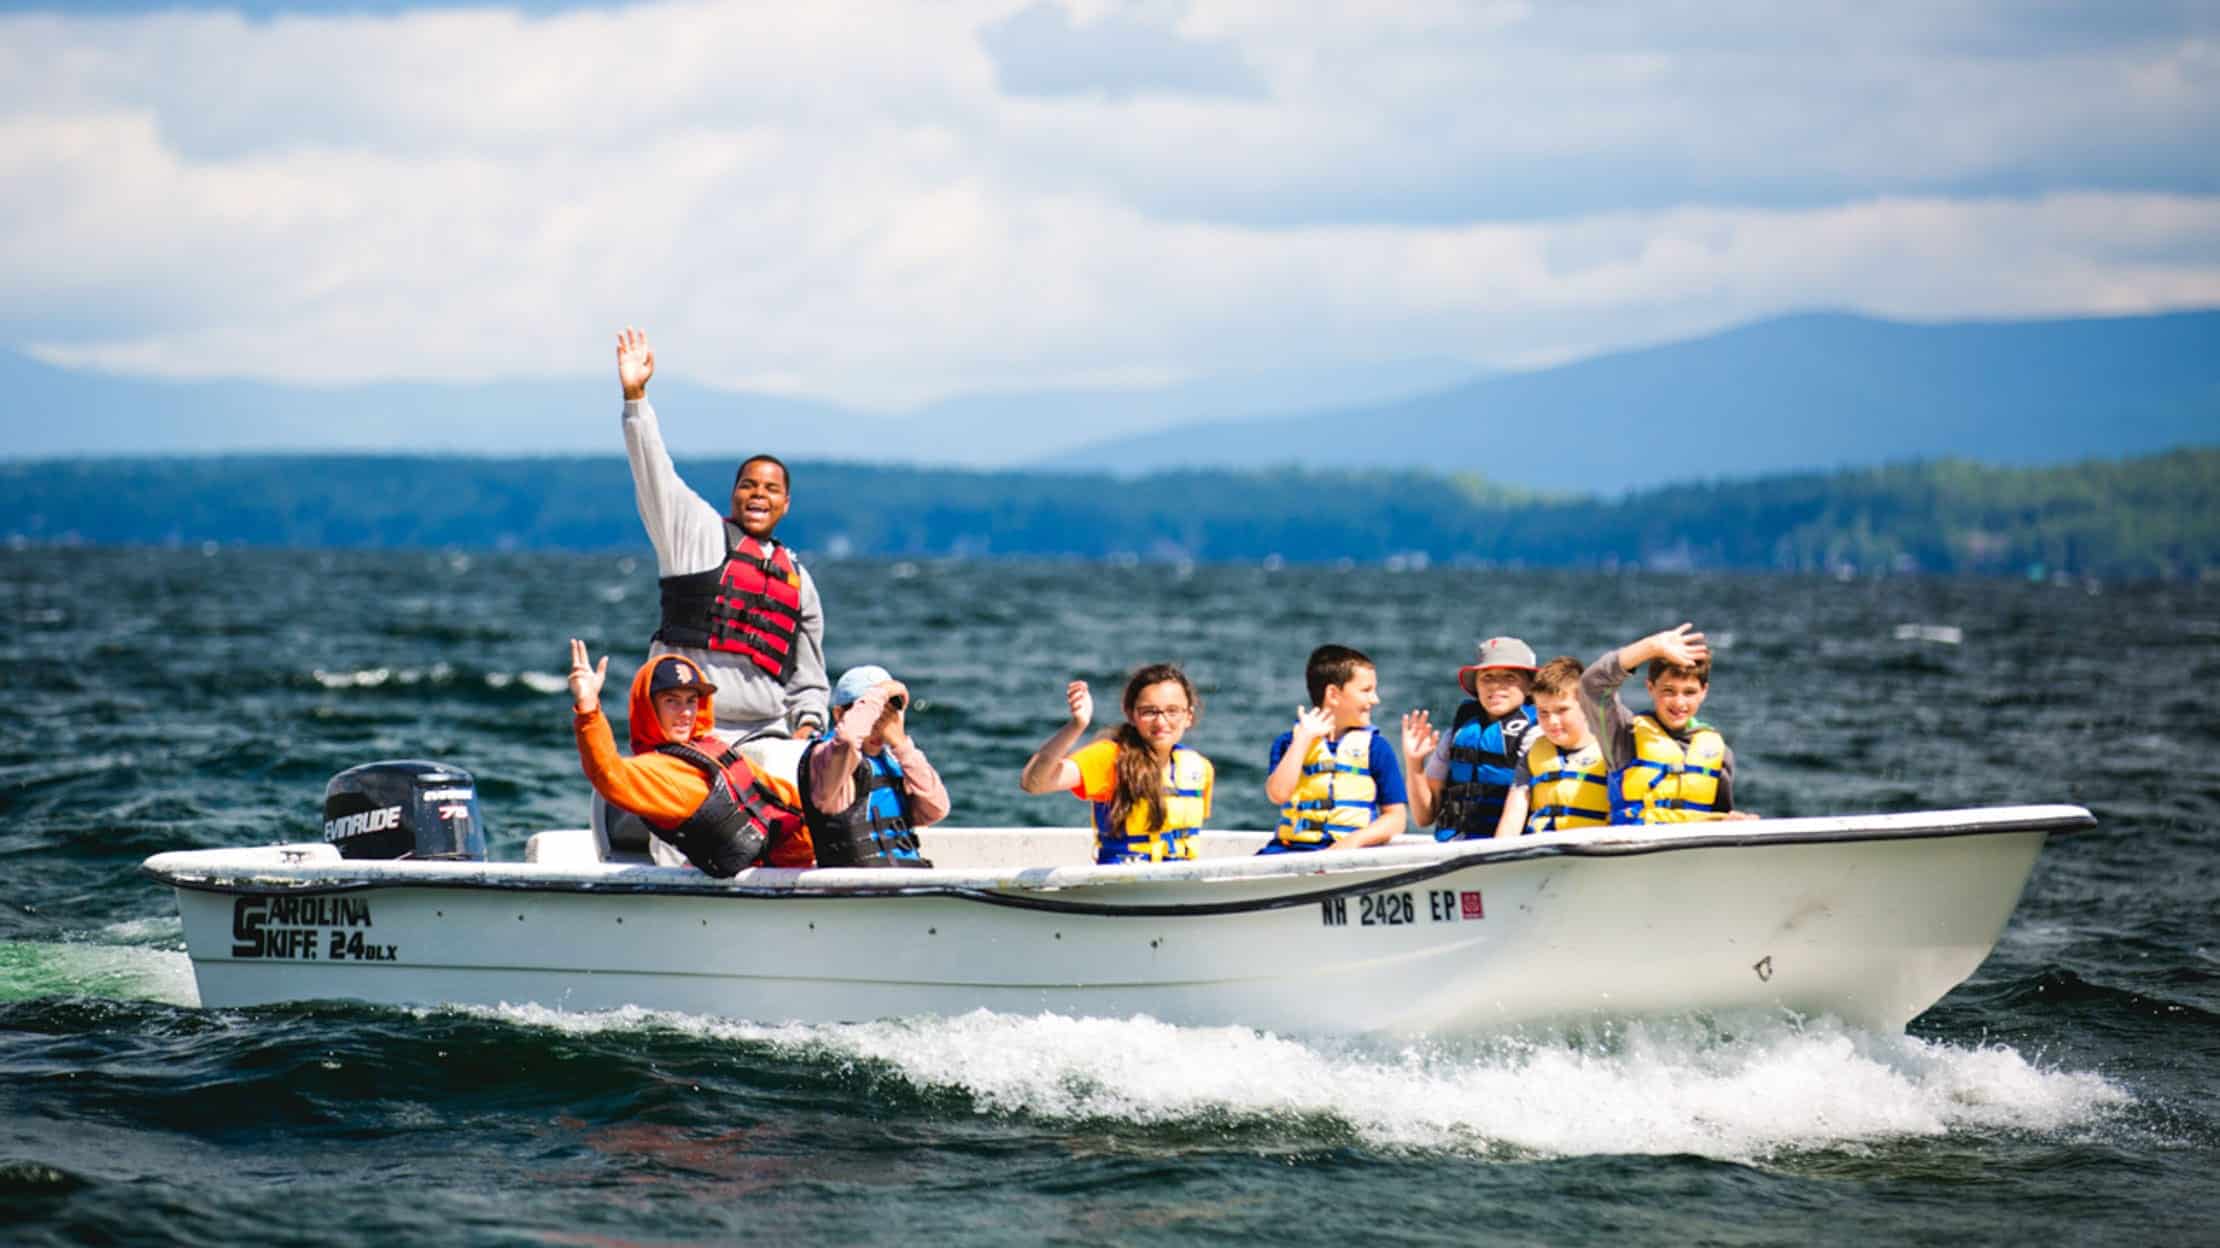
{"x": 1337, "y": 784}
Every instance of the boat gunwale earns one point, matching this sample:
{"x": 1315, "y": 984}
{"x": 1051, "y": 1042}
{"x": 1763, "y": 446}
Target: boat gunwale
{"x": 1020, "y": 887}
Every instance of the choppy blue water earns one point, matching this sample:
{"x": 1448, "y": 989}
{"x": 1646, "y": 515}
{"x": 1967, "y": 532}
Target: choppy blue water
{"x": 165, "y": 700}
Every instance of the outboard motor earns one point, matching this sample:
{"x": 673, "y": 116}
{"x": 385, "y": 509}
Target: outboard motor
{"x": 405, "y": 809}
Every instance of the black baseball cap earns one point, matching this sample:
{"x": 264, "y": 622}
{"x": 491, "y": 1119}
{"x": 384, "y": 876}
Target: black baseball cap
{"x": 673, "y": 672}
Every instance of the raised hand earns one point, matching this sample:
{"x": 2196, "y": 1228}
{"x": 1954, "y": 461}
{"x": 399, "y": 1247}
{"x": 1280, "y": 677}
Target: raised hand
{"x": 1419, "y": 737}
{"x": 1682, "y": 647}
{"x": 1313, "y": 722}
{"x": 890, "y": 726}
{"x": 585, "y": 681}
{"x": 1048, "y": 770}
{"x": 635, "y": 362}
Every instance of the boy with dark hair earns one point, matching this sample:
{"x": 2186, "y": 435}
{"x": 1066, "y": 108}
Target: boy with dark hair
{"x": 1473, "y": 761}
{"x": 1336, "y": 782}
{"x": 735, "y": 601}
{"x": 1561, "y": 783}
{"x": 1666, "y": 765}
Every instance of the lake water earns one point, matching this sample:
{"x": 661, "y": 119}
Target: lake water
{"x": 181, "y": 699}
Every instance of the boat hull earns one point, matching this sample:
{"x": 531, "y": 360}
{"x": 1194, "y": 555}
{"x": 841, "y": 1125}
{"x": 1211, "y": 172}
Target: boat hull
{"x": 1819, "y": 917}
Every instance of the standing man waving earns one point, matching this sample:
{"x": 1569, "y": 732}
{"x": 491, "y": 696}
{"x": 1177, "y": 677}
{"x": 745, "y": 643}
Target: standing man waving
{"x": 735, "y": 600}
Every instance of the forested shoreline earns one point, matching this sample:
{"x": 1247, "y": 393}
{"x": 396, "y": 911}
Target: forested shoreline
{"x": 2154, "y": 517}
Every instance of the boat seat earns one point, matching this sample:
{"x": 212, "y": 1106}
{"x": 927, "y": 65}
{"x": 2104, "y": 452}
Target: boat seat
{"x": 619, "y": 835}
{"x": 570, "y": 847}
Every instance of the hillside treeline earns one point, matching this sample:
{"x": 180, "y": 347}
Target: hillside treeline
{"x": 2153, "y": 517}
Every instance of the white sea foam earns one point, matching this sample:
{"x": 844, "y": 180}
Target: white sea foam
{"x": 1770, "y": 1086}
{"x": 128, "y": 972}
{"x": 362, "y": 678}
{"x": 543, "y": 682}
{"x": 1939, "y": 634}
{"x": 146, "y": 931}
{"x": 372, "y": 677}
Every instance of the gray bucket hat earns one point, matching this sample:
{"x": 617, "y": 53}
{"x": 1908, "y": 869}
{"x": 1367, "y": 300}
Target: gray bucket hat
{"x": 1502, "y": 652}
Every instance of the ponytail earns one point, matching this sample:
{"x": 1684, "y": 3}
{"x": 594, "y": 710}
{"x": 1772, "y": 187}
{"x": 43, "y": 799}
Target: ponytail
{"x": 1140, "y": 780}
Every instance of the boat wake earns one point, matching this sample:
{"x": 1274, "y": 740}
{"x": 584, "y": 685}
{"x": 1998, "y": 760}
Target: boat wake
{"x": 1739, "y": 1090}
{"x": 1733, "y": 1088}
{"x": 121, "y": 969}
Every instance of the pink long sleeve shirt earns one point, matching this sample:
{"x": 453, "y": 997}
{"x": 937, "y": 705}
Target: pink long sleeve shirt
{"x": 832, "y": 766}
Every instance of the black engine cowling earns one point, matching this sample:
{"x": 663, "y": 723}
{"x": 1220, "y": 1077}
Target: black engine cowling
{"x": 405, "y": 808}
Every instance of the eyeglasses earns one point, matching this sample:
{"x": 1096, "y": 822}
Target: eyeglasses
{"x": 1160, "y": 712}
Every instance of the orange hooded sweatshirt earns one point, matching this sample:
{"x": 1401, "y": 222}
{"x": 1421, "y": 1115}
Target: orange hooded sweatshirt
{"x": 664, "y": 790}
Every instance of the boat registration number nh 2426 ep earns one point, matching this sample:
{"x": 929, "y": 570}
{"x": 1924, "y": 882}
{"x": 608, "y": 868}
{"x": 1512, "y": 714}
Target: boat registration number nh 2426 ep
{"x": 1400, "y": 909}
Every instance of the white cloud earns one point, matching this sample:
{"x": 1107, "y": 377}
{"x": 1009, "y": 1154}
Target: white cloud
{"x": 1043, "y": 49}
{"x": 839, "y": 200}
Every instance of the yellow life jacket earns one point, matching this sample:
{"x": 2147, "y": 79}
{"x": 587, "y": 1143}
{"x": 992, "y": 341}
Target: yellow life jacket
{"x": 1336, "y": 795}
{"x": 1667, "y": 781}
{"x": 1187, "y": 777}
{"x": 1566, "y": 794}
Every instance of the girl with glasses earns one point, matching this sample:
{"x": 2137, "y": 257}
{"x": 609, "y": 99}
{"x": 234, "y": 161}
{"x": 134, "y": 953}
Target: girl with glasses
{"x": 1150, "y": 794}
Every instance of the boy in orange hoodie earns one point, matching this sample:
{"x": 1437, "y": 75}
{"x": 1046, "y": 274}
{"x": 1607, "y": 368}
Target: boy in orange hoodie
{"x": 699, "y": 795}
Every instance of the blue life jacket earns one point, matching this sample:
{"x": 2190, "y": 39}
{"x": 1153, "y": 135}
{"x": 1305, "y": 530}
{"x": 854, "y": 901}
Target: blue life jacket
{"x": 1482, "y": 756}
{"x": 874, "y": 831}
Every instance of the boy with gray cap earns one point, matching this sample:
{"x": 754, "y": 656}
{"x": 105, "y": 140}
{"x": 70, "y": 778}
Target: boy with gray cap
{"x": 865, "y": 786}
{"x": 1460, "y": 778}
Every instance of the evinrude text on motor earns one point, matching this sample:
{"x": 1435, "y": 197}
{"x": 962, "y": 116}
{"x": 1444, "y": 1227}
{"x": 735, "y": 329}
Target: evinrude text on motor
{"x": 405, "y": 808}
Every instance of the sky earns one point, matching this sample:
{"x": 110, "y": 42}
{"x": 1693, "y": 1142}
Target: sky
{"x": 884, "y": 204}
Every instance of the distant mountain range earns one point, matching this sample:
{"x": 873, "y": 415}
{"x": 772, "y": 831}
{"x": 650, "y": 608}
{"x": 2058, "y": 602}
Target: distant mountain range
{"x": 1799, "y": 393}
{"x": 49, "y": 411}
{"x": 1793, "y": 394}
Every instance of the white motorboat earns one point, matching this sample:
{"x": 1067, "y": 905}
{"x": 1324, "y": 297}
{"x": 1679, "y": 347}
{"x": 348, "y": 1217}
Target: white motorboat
{"x": 1868, "y": 918}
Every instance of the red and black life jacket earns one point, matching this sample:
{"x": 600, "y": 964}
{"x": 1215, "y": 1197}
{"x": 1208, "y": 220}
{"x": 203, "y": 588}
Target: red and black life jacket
{"x": 738, "y": 821}
{"x": 751, "y": 606}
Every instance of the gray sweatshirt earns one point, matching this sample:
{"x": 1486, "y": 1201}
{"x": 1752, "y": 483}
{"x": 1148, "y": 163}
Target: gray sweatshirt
{"x": 1613, "y": 722}
{"x": 689, "y": 537}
